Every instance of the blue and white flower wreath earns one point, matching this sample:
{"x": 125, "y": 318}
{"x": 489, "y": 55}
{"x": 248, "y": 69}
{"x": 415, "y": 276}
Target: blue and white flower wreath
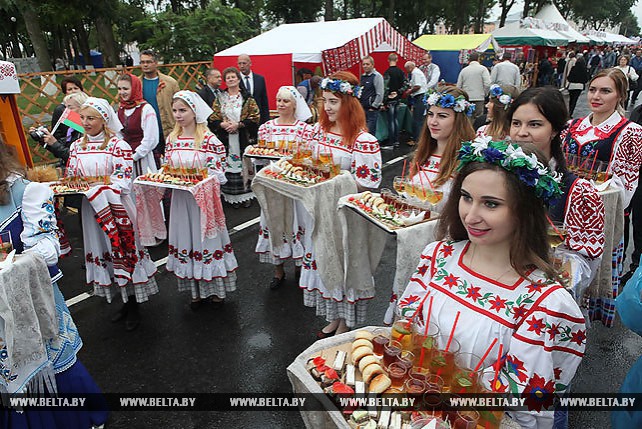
{"x": 512, "y": 158}
{"x": 497, "y": 92}
{"x": 448, "y": 101}
{"x": 342, "y": 86}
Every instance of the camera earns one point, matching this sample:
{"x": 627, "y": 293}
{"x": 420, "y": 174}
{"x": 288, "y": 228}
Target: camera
{"x": 39, "y": 133}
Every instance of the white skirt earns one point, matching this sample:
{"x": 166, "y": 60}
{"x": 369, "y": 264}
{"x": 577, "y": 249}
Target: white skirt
{"x": 292, "y": 242}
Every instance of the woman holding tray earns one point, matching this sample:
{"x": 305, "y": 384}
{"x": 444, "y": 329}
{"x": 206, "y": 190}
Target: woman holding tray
{"x": 236, "y": 120}
{"x": 490, "y": 277}
{"x": 500, "y": 99}
{"x": 341, "y": 131}
{"x": 140, "y": 126}
{"x": 447, "y": 125}
{"x": 289, "y": 127}
{"x": 205, "y": 265}
{"x": 27, "y": 215}
{"x": 116, "y": 262}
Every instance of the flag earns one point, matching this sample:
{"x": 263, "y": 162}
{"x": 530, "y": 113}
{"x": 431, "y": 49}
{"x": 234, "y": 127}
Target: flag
{"x": 72, "y": 120}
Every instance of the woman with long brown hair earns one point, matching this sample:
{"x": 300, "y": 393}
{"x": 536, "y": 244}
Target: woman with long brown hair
{"x": 491, "y": 276}
{"x": 341, "y": 131}
{"x": 500, "y": 98}
{"x": 447, "y": 125}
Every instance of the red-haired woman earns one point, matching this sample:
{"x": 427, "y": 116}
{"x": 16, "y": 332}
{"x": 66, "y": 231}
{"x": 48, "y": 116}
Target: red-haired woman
{"x": 341, "y": 131}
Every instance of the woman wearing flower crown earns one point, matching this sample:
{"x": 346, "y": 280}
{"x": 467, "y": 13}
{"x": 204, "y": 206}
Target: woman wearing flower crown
{"x": 499, "y": 101}
{"x": 288, "y": 127}
{"x": 341, "y": 130}
{"x": 492, "y": 273}
{"x": 447, "y": 125}
{"x": 204, "y": 265}
{"x": 116, "y": 262}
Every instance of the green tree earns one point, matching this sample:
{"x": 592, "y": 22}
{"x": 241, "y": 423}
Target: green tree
{"x": 288, "y": 12}
{"x": 629, "y": 25}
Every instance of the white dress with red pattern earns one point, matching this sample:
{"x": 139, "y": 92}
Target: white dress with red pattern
{"x": 363, "y": 160}
{"x": 292, "y": 247}
{"x": 115, "y": 160}
{"x": 207, "y": 266}
{"x": 430, "y": 171}
{"x": 538, "y": 323}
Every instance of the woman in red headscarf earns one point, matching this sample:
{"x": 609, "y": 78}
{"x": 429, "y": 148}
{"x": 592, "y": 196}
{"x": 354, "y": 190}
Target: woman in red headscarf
{"x": 140, "y": 126}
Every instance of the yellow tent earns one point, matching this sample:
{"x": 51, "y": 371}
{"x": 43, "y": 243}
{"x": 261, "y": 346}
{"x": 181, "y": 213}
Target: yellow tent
{"x": 457, "y": 42}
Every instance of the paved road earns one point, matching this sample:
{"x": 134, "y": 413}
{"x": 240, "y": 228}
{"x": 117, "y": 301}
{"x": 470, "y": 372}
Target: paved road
{"x": 247, "y": 345}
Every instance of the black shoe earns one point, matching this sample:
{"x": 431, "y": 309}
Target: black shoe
{"x": 321, "y": 335}
{"x": 133, "y": 317}
{"x": 277, "y": 282}
{"x": 120, "y": 314}
{"x": 297, "y": 274}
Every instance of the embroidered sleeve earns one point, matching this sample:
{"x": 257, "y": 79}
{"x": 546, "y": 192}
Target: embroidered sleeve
{"x": 264, "y": 131}
{"x": 584, "y": 220}
{"x": 417, "y": 290}
{"x": 481, "y": 131}
{"x": 366, "y": 161}
{"x": 627, "y": 159}
{"x": 40, "y": 233}
{"x": 167, "y": 155}
{"x": 122, "y": 166}
{"x": 543, "y": 355}
{"x": 215, "y": 158}
{"x": 72, "y": 162}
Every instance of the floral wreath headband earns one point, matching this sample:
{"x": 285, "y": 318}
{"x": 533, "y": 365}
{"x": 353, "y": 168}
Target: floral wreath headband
{"x": 448, "y": 101}
{"x": 342, "y": 86}
{"x": 511, "y": 157}
{"x": 497, "y": 92}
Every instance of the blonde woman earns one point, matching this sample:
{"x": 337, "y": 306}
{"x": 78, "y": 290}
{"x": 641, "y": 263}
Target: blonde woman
{"x": 116, "y": 263}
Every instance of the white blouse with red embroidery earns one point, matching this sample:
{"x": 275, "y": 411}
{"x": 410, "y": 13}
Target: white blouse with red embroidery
{"x": 211, "y": 155}
{"x": 538, "y": 323}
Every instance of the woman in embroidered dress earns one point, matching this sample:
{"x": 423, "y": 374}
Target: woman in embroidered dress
{"x": 236, "y": 120}
{"x": 500, "y": 99}
{"x": 616, "y": 141}
{"x": 537, "y": 116}
{"x": 494, "y": 275}
{"x": 288, "y": 127}
{"x": 116, "y": 263}
{"x": 27, "y": 213}
{"x": 140, "y": 126}
{"x": 341, "y": 130}
{"x": 447, "y": 125}
{"x": 204, "y": 265}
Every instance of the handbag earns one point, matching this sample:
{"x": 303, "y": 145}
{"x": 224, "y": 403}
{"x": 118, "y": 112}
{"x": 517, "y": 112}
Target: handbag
{"x": 633, "y": 84}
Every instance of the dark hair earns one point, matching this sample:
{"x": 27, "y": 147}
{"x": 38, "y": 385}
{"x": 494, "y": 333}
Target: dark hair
{"x": 8, "y": 166}
{"x": 70, "y": 79}
{"x": 621, "y": 83}
{"x": 303, "y": 71}
{"x": 550, "y": 103}
{"x": 208, "y": 72}
{"x": 507, "y": 56}
{"x": 151, "y": 53}
{"x": 529, "y": 246}
{"x": 236, "y": 71}
{"x": 474, "y": 56}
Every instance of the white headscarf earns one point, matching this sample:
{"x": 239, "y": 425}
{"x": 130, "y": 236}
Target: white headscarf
{"x": 302, "y": 111}
{"x": 196, "y": 103}
{"x": 106, "y": 112}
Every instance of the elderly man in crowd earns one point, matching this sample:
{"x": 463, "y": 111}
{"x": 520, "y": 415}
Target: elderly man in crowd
{"x": 475, "y": 80}
{"x": 255, "y": 85}
{"x": 211, "y": 89}
{"x": 418, "y": 87}
{"x": 506, "y": 73}
{"x": 430, "y": 70}
{"x": 371, "y": 93}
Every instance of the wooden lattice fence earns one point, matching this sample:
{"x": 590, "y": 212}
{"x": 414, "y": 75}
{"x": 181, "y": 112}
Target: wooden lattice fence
{"x": 41, "y": 93}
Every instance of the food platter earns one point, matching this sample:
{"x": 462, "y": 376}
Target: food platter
{"x": 265, "y": 153}
{"x": 300, "y": 175}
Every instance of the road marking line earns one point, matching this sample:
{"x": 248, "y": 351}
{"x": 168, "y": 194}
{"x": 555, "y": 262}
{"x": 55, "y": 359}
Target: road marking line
{"x": 83, "y": 296}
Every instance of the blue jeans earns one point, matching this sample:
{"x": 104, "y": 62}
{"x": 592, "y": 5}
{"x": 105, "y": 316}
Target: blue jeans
{"x": 393, "y": 122}
{"x": 418, "y": 113}
{"x": 371, "y": 121}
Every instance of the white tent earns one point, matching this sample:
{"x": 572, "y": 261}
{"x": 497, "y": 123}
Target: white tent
{"x": 525, "y": 32}
{"x": 555, "y": 21}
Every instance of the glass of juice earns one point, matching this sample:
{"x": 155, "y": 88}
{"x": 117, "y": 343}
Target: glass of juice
{"x": 409, "y": 189}
{"x": 442, "y": 362}
{"x": 402, "y": 332}
{"x": 433, "y": 403}
{"x": 407, "y": 359}
{"x": 412, "y": 386}
{"x": 465, "y": 377}
{"x": 466, "y": 419}
{"x": 379, "y": 341}
{"x": 325, "y": 155}
{"x": 269, "y": 144}
{"x": 419, "y": 373}
{"x": 391, "y": 353}
{"x": 398, "y": 374}
{"x": 398, "y": 184}
{"x": 260, "y": 143}
{"x": 423, "y": 342}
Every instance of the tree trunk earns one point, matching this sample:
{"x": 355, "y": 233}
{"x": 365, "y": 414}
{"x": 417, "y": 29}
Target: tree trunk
{"x": 36, "y": 36}
{"x": 356, "y": 9}
{"x": 107, "y": 41}
{"x": 527, "y": 8}
{"x": 329, "y": 10}
{"x": 505, "y": 9}
{"x": 391, "y": 12}
{"x": 83, "y": 43}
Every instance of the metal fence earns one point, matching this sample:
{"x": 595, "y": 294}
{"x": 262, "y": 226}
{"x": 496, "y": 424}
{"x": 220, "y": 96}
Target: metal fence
{"x": 41, "y": 93}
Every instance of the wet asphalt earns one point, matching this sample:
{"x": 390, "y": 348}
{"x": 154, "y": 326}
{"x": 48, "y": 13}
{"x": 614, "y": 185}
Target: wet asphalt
{"x": 246, "y": 345}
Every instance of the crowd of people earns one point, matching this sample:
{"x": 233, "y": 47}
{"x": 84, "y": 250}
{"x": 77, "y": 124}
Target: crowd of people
{"x": 503, "y": 182}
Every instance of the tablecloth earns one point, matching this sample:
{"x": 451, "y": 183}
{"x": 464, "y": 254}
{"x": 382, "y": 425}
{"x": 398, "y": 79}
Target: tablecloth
{"x": 404, "y": 119}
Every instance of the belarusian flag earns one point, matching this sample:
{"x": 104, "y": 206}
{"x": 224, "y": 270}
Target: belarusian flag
{"x": 72, "y": 120}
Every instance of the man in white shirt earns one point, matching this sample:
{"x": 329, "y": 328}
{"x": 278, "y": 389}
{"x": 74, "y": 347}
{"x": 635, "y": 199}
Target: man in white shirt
{"x": 475, "y": 80}
{"x": 430, "y": 70}
{"x": 506, "y": 73}
{"x": 418, "y": 87}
